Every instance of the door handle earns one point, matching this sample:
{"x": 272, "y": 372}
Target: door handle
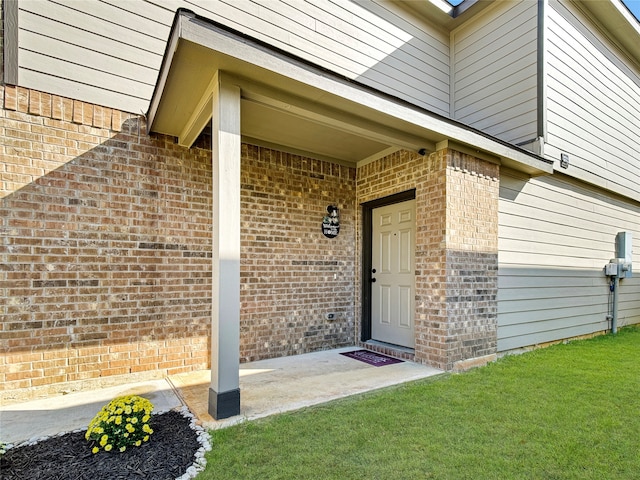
{"x": 373, "y": 280}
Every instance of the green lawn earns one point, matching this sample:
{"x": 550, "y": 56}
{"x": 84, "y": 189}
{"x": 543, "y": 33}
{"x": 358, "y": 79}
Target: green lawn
{"x": 568, "y": 411}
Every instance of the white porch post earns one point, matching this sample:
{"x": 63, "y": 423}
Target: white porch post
{"x": 224, "y": 393}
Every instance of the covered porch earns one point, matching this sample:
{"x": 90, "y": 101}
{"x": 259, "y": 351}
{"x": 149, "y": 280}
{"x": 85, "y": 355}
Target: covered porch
{"x": 246, "y": 92}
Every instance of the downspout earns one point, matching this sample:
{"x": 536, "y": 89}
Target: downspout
{"x": 614, "y": 307}
{"x": 10, "y": 14}
{"x": 541, "y": 120}
{"x": 612, "y": 270}
{"x": 617, "y": 268}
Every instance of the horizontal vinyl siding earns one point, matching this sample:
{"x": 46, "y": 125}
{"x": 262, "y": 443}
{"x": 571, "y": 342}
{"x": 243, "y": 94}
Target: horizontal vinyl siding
{"x": 109, "y": 52}
{"x": 555, "y": 236}
{"x": 90, "y": 51}
{"x": 495, "y": 72}
{"x": 593, "y": 106}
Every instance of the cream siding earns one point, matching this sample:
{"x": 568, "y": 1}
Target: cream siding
{"x": 593, "y": 105}
{"x": 555, "y": 236}
{"x": 494, "y": 65}
{"x": 89, "y": 51}
{"x": 109, "y": 52}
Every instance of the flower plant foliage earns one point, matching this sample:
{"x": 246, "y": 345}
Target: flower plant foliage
{"x": 122, "y": 423}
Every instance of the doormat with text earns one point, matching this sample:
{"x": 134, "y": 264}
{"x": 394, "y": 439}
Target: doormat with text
{"x": 372, "y": 358}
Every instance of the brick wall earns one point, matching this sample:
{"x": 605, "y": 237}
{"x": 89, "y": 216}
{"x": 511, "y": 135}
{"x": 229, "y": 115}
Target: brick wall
{"x": 291, "y": 274}
{"x": 105, "y": 247}
{"x": 105, "y": 256}
{"x": 456, "y": 249}
{"x": 472, "y": 259}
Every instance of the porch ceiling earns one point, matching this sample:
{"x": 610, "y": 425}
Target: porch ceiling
{"x": 294, "y": 106}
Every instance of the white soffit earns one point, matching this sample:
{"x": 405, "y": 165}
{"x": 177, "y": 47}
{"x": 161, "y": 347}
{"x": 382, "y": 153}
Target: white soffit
{"x": 619, "y": 23}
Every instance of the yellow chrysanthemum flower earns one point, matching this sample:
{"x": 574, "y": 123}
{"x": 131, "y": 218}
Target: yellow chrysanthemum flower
{"x": 95, "y": 450}
{"x": 115, "y": 426}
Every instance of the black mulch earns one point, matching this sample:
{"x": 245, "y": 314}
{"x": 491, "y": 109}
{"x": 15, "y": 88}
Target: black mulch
{"x": 167, "y": 455}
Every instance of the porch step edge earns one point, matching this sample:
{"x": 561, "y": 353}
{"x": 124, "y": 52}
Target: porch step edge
{"x": 395, "y": 351}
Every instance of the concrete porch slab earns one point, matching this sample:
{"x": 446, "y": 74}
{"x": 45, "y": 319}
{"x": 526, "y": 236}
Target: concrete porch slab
{"x": 289, "y": 383}
{"x": 267, "y": 387}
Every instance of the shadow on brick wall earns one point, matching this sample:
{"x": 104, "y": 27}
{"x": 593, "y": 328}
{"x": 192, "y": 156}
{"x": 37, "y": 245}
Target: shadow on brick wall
{"x": 106, "y": 258}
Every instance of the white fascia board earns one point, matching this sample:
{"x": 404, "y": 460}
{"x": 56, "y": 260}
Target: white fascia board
{"x": 163, "y": 73}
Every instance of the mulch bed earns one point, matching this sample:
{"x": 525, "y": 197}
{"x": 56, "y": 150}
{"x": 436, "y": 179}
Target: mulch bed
{"x": 167, "y": 455}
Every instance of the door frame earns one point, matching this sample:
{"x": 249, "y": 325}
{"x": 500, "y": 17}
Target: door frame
{"x": 367, "y": 250}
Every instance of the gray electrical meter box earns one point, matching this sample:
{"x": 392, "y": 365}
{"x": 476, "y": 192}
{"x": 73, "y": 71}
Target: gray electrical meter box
{"x": 611, "y": 268}
{"x": 624, "y": 241}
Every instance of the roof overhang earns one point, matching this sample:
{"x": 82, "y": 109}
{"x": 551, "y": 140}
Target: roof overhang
{"x": 293, "y": 105}
{"x": 619, "y": 23}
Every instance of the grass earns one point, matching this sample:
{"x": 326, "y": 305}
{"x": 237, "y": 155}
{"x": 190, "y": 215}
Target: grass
{"x": 566, "y": 412}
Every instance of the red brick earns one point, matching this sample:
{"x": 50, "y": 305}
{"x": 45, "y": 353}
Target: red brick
{"x": 114, "y": 371}
{"x": 23, "y": 99}
{"x": 78, "y": 113}
{"x": 44, "y": 381}
{"x": 34, "y": 102}
{"x": 10, "y": 97}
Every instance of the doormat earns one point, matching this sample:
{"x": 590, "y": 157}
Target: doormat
{"x": 372, "y": 358}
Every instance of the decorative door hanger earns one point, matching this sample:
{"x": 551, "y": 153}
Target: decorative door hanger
{"x": 331, "y": 222}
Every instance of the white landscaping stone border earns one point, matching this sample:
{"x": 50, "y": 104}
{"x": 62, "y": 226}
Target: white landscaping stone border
{"x": 199, "y": 459}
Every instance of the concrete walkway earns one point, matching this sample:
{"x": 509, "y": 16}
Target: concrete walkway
{"x": 65, "y": 413}
{"x": 267, "y": 387}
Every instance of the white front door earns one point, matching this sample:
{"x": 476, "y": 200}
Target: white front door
{"x": 393, "y": 274}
